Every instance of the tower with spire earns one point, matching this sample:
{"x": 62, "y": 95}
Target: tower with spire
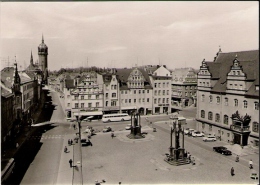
{"x": 43, "y": 60}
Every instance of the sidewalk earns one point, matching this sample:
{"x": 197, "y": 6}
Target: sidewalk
{"x": 67, "y": 175}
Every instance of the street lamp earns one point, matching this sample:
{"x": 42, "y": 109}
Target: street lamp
{"x": 79, "y": 125}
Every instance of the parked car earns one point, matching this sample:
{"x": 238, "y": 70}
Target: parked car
{"x": 209, "y": 138}
{"x": 128, "y": 127}
{"x": 197, "y": 134}
{"x": 222, "y": 150}
{"x": 107, "y": 129}
{"x": 187, "y": 131}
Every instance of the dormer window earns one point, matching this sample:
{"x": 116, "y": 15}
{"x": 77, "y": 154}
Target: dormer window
{"x": 238, "y": 73}
{"x": 234, "y": 72}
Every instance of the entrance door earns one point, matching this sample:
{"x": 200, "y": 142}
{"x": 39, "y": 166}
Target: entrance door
{"x": 237, "y": 139}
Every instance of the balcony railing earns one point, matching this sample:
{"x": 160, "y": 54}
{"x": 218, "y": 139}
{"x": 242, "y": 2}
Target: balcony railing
{"x": 240, "y": 128}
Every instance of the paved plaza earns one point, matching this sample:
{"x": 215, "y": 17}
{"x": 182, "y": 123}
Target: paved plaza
{"x": 142, "y": 162}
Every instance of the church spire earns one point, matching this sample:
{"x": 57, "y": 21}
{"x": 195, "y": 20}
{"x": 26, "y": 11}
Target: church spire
{"x": 42, "y": 39}
{"x": 31, "y": 61}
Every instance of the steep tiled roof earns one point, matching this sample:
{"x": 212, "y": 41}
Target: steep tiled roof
{"x": 248, "y": 60}
{"x": 123, "y": 75}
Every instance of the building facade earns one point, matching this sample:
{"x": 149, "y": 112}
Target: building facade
{"x": 84, "y": 96}
{"x": 11, "y": 109}
{"x": 228, "y": 97}
{"x": 135, "y": 91}
{"x": 161, "y": 82}
{"x": 184, "y": 87}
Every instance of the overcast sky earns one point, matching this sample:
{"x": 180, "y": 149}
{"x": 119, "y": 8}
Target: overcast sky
{"x": 122, "y": 34}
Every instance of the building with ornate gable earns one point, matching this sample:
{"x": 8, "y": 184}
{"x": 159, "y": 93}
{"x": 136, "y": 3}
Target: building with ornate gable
{"x": 228, "y": 97}
{"x": 135, "y": 90}
{"x": 184, "y": 87}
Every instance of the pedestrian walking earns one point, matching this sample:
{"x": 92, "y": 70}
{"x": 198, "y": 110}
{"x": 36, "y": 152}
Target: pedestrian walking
{"x": 70, "y": 161}
{"x": 251, "y": 164}
{"x": 74, "y": 126}
{"x": 232, "y": 171}
{"x": 112, "y": 135}
{"x": 69, "y": 142}
{"x": 65, "y": 149}
{"x": 237, "y": 158}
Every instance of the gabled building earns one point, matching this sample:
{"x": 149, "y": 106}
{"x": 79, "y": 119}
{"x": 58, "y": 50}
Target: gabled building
{"x": 84, "y": 96}
{"x": 228, "y": 97}
{"x": 111, "y": 93}
{"x": 161, "y": 83}
{"x": 135, "y": 91}
{"x": 184, "y": 87}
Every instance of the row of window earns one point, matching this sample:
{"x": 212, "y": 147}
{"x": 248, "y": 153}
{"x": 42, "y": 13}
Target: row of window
{"x": 135, "y": 91}
{"x": 159, "y": 92}
{"x": 186, "y": 93}
{"x": 217, "y": 117}
{"x": 113, "y": 95}
{"x": 134, "y": 100}
{"x": 245, "y": 103}
{"x": 114, "y": 87}
{"x": 163, "y": 84}
{"x": 83, "y": 97}
{"x": 82, "y": 105}
{"x": 236, "y": 86}
{"x": 163, "y": 100}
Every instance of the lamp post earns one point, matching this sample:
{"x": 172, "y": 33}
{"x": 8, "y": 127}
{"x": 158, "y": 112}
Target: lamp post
{"x": 79, "y": 125}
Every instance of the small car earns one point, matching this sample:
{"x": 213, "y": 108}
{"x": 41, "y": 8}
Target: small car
{"x": 197, "y": 134}
{"x": 222, "y": 150}
{"x": 107, "y": 129}
{"x": 128, "y": 127}
{"x": 209, "y": 138}
{"x": 188, "y": 131}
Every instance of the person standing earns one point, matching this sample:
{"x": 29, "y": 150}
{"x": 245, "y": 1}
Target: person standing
{"x": 112, "y": 135}
{"x": 251, "y": 164}
{"x": 232, "y": 171}
{"x": 70, "y": 161}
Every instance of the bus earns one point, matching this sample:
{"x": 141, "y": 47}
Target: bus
{"x": 115, "y": 117}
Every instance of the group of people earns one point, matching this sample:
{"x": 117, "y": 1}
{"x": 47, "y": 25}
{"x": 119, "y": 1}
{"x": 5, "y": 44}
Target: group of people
{"x": 237, "y": 160}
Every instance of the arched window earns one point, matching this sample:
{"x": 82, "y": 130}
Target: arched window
{"x": 256, "y": 105}
{"x": 226, "y": 101}
{"x": 210, "y": 99}
{"x": 202, "y": 97}
{"x": 235, "y": 102}
{"x": 210, "y": 116}
{"x": 245, "y": 104}
{"x": 217, "y": 118}
{"x": 218, "y": 99}
{"x": 226, "y": 119}
{"x": 202, "y": 114}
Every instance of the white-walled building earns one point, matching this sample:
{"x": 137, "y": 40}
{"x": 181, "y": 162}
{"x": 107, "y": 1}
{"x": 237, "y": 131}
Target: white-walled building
{"x": 228, "y": 97}
{"x": 161, "y": 82}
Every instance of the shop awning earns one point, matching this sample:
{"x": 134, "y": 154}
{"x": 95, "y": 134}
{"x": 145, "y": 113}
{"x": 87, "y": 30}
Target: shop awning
{"x": 94, "y": 113}
{"x": 128, "y": 108}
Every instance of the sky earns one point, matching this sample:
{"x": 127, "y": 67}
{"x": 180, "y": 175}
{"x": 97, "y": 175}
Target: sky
{"x": 125, "y": 34}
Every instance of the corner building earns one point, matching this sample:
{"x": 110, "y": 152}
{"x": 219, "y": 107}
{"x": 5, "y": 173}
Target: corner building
{"x": 228, "y": 97}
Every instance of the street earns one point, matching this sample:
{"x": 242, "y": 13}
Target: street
{"x": 131, "y": 161}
